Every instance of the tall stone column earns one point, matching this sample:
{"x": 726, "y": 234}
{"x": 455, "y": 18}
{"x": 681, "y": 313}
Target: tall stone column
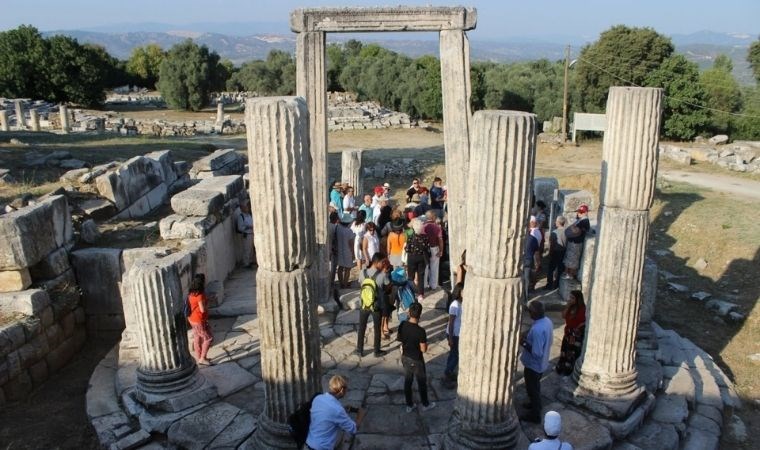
{"x": 501, "y": 174}
{"x": 278, "y": 138}
{"x": 311, "y": 84}
{"x": 34, "y": 119}
{"x": 455, "y": 89}
{"x": 646, "y": 338}
{"x": 351, "y": 170}
{"x": 20, "y": 119}
{"x": 4, "y": 125}
{"x": 167, "y": 378}
{"x": 63, "y": 113}
{"x": 219, "y": 113}
{"x": 606, "y": 373}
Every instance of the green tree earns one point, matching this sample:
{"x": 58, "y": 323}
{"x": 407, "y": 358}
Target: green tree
{"x": 114, "y": 70}
{"x": 23, "y": 54}
{"x": 621, "y": 55}
{"x": 274, "y": 76}
{"x": 684, "y": 115}
{"x": 188, "y": 74}
{"x": 144, "y": 64}
{"x": 723, "y": 93}
{"x": 75, "y": 73}
{"x": 747, "y": 125}
{"x": 753, "y": 57}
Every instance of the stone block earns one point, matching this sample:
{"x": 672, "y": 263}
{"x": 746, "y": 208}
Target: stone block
{"x": 13, "y": 333}
{"x": 98, "y": 208}
{"x": 718, "y": 139}
{"x": 197, "y": 202}
{"x": 98, "y": 272}
{"x": 240, "y": 428}
{"x": 130, "y": 441}
{"x": 145, "y": 204}
{"x": 696, "y": 439}
{"x": 30, "y": 302}
{"x": 74, "y": 174}
{"x": 130, "y": 182}
{"x": 181, "y": 227}
{"x": 670, "y": 409}
{"x": 655, "y": 435}
{"x": 543, "y": 189}
{"x": 31, "y": 233}
{"x": 221, "y": 256}
{"x": 217, "y": 162}
{"x": 197, "y": 430}
{"x": 166, "y": 161}
{"x": 15, "y": 280}
{"x": 229, "y": 185}
{"x": 228, "y": 377}
{"x": 54, "y": 264}
{"x": 569, "y": 201}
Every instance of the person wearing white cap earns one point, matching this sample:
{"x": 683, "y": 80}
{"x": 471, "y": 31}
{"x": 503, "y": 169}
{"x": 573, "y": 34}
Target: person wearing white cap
{"x": 552, "y": 428}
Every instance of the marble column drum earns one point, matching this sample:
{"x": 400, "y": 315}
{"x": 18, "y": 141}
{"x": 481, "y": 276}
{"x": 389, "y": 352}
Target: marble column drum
{"x": 34, "y": 119}
{"x": 281, "y": 188}
{"x": 501, "y": 174}
{"x": 351, "y": 172}
{"x": 4, "y": 125}
{"x": 63, "y": 114}
{"x": 606, "y": 372}
{"x": 167, "y": 377}
{"x": 20, "y": 119}
{"x": 311, "y": 84}
{"x": 455, "y": 92}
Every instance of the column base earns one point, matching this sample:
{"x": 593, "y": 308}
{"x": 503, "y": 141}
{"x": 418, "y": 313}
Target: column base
{"x": 269, "y": 435}
{"x": 495, "y": 436}
{"x": 193, "y": 391}
{"x": 609, "y": 406}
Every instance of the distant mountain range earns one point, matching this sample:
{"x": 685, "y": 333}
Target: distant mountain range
{"x": 243, "y": 42}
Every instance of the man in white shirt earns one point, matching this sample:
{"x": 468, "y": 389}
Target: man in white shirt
{"x": 552, "y": 428}
{"x": 452, "y": 330}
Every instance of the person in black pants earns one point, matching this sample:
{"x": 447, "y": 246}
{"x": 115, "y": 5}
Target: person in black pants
{"x": 417, "y": 254}
{"x": 413, "y": 344}
{"x": 379, "y": 271}
{"x": 557, "y": 241}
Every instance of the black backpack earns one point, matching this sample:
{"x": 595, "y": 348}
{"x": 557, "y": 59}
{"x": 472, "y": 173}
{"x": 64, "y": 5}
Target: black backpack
{"x": 299, "y": 422}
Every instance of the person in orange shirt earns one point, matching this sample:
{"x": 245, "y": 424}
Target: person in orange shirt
{"x": 198, "y": 319}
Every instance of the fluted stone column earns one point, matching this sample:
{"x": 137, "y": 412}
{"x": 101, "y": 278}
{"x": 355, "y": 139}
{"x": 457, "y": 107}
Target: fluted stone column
{"x": 606, "y": 374}
{"x": 351, "y": 170}
{"x": 219, "y": 113}
{"x": 278, "y": 139}
{"x": 34, "y": 119}
{"x": 4, "y": 126}
{"x": 167, "y": 378}
{"x": 63, "y": 113}
{"x": 20, "y": 119}
{"x": 501, "y": 169}
{"x": 646, "y": 338}
{"x": 311, "y": 84}
{"x": 455, "y": 90}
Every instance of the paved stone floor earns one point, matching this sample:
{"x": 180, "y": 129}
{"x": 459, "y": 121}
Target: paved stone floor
{"x": 374, "y": 383}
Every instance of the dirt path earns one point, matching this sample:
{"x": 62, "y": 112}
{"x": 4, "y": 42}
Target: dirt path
{"x": 722, "y": 183}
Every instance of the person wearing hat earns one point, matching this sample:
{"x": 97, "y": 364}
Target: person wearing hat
{"x": 344, "y": 247}
{"x": 552, "y": 428}
{"x": 335, "y": 198}
{"x": 576, "y": 235}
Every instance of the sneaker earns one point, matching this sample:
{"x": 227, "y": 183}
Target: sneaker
{"x": 429, "y": 406}
{"x": 410, "y": 408}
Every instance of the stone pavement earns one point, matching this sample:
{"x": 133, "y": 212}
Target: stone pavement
{"x": 684, "y": 412}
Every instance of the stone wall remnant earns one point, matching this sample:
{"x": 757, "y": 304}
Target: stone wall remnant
{"x": 501, "y": 168}
{"x": 278, "y": 140}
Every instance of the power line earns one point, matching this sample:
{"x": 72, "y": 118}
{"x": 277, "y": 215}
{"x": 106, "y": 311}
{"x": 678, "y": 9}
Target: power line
{"x": 668, "y": 96}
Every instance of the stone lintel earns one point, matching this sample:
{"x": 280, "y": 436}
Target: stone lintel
{"x": 402, "y": 18}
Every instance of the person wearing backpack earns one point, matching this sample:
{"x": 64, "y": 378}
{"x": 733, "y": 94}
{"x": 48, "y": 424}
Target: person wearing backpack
{"x": 374, "y": 280}
{"x": 197, "y": 315}
{"x": 328, "y": 417}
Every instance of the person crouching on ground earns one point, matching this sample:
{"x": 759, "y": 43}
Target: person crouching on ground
{"x": 413, "y": 344}
{"x": 328, "y": 417}
{"x": 552, "y": 428}
{"x": 198, "y": 319}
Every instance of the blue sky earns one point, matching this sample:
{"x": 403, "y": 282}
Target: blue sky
{"x": 496, "y": 18}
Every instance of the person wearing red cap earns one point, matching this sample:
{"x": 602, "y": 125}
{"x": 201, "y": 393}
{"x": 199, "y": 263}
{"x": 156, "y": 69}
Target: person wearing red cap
{"x": 576, "y": 235}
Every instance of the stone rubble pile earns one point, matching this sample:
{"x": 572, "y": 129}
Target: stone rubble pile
{"x": 397, "y": 167}
{"x": 353, "y": 115}
{"x": 41, "y": 320}
{"x": 739, "y": 156}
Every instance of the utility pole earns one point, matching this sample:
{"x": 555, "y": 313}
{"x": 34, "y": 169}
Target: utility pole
{"x": 564, "y": 96}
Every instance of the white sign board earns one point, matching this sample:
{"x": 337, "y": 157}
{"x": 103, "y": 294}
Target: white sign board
{"x": 588, "y": 122}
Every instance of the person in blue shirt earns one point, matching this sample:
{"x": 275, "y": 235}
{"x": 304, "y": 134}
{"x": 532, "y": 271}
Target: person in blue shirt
{"x": 329, "y": 417}
{"x": 336, "y": 198}
{"x": 437, "y": 196}
{"x": 536, "y": 345}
